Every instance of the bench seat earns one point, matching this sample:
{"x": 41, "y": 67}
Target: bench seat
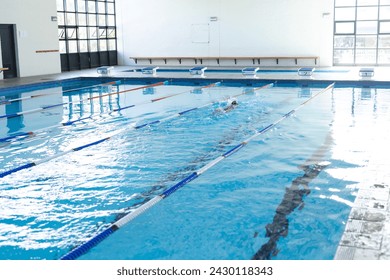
{"x": 196, "y": 59}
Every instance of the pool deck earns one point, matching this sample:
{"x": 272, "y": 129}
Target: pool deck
{"x": 320, "y": 74}
{"x": 367, "y": 231}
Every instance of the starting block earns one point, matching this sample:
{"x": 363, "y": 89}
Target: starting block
{"x": 305, "y": 71}
{"x": 149, "y": 70}
{"x": 104, "y": 70}
{"x": 366, "y": 72}
{"x": 250, "y": 71}
{"x": 198, "y": 70}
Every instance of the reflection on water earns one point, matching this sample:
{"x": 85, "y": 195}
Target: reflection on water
{"x": 49, "y": 209}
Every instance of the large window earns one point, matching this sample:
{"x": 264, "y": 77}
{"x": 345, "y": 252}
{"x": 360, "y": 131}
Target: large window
{"x": 87, "y": 33}
{"x": 361, "y": 32}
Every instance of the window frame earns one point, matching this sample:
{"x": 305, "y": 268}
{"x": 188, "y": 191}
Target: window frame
{"x": 356, "y": 34}
{"x": 79, "y": 18}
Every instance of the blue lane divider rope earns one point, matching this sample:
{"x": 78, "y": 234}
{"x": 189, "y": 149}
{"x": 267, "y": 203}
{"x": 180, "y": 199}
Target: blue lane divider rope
{"x": 32, "y": 164}
{"x": 9, "y": 101}
{"x": 138, "y": 104}
{"x": 200, "y": 107}
{"x": 85, "y": 247}
{"x": 32, "y": 133}
{"x": 79, "y": 251}
{"x": 78, "y": 101}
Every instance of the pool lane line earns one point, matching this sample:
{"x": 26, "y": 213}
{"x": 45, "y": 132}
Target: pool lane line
{"x": 6, "y": 102}
{"x": 85, "y": 247}
{"x": 38, "y": 162}
{"x": 139, "y": 104}
{"x": 36, "y": 110}
{"x": 32, "y": 133}
{"x": 202, "y": 106}
{"x": 35, "y": 163}
{"x": 173, "y": 176}
{"x": 293, "y": 199}
{"x": 68, "y": 123}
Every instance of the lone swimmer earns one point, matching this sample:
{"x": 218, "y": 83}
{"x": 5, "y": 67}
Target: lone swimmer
{"x": 230, "y": 106}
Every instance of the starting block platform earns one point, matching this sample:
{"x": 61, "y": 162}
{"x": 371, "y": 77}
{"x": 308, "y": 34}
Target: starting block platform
{"x": 366, "y": 72}
{"x": 250, "y": 71}
{"x": 198, "y": 70}
{"x": 149, "y": 70}
{"x": 305, "y": 71}
{"x": 104, "y": 70}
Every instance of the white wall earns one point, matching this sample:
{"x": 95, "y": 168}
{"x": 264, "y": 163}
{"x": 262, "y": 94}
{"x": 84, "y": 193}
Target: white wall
{"x": 34, "y": 32}
{"x": 243, "y": 28}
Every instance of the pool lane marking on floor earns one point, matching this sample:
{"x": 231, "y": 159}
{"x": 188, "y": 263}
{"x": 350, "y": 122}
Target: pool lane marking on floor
{"x": 9, "y": 101}
{"x": 35, "y": 163}
{"x": 292, "y": 199}
{"x": 68, "y": 123}
{"x": 32, "y": 133}
{"x": 85, "y": 247}
{"x": 40, "y": 109}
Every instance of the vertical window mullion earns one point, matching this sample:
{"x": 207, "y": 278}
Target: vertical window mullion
{"x": 377, "y": 35}
{"x": 354, "y": 51}
{"x": 87, "y": 39}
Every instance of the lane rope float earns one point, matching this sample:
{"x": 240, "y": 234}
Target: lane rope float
{"x": 35, "y": 163}
{"x": 9, "y": 101}
{"x": 68, "y": 123}
{"x": 32, "y": 133}
{"x": 40, "y": 109}
{"x": 85, "y": 247}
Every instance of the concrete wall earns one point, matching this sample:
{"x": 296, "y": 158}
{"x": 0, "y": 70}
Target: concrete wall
{"x": 225, "y": 28}
{"x": 34, "y": 32}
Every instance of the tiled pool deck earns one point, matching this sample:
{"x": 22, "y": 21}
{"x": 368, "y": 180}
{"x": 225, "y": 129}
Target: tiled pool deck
{"x": 367, "y": 232}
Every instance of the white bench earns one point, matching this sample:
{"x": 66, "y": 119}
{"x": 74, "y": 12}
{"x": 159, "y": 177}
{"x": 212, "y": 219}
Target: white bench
{"x": 200, "y": 59}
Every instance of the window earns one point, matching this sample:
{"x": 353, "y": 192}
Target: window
{"x": 86, "y": 33}
{"x": 361, "y": 32}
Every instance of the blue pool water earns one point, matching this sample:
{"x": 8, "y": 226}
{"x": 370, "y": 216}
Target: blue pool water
{"x": 284, "y": 195}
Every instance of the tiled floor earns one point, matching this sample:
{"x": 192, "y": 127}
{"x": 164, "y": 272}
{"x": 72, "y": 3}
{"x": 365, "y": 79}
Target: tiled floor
{"x": 367, "y": 233}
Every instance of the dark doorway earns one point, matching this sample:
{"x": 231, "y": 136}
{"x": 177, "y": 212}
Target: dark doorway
{"x": 8, "y": 50}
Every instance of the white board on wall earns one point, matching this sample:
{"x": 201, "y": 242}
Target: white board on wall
{"x": 200, "y": 33}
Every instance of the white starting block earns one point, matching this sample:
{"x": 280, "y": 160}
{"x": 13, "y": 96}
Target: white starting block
{"x": 366, "y": 72}
{"x": 104, "y": 70}
{"x": 198, "y": 70}
{"x": 149, "y": 70}
{"x": 305, "y": 71}
{"x": 250, "y": 71}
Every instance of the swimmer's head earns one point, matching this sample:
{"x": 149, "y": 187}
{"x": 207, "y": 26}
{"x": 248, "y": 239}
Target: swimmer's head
{"x": 232, "y": 101}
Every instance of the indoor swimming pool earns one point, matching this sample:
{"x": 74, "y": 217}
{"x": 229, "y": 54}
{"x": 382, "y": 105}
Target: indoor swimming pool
{"x": 110, "y": 169}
